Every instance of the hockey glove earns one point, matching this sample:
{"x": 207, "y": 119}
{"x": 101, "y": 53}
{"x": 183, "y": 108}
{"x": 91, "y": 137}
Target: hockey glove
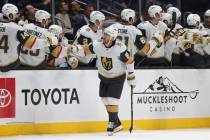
{"x": 52, "y": 41}
{"x": 158, "y": 38}
{"x": 73, "y": 62}
{"x": 131, "y": 79}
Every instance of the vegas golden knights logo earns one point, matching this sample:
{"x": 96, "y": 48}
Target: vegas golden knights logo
{"x": 106, "y": 63}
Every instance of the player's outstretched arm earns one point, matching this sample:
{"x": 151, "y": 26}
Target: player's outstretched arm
{"x": 126, "y": 58}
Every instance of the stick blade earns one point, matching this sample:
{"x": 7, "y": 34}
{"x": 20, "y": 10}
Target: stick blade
{"x": 131, "y": 129}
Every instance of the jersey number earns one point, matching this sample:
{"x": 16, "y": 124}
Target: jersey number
{"x": 123, "y": 39}
{"x": 4, "y": 43}
{"x": 30, "y": 52}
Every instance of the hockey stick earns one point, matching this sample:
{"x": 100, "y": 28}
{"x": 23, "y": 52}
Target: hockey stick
{"x": 167, "y": 33}
{"x": 131, "y": 125}
{"x": 173, "y": 24}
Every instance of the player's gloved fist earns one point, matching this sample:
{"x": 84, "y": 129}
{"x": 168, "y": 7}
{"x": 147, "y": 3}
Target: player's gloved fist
{"x": 131, "y": 79}
{"x": 73, "y": 49}
{"x": 158, "y": 38}
{"x": 194, "y": 38}
{"x": 73, "y": 62}
{"x": 77, "y": 50}
{"x": 180, "y": 32}
{"x": 206, "y": 40}
{"x": 52, "y": 41}
{"x": 197, "y": 38}
{"x": 186, "y": 46}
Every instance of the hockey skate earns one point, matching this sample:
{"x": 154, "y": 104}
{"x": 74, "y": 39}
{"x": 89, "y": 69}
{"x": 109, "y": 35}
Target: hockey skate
{"x": 114, "y": 127}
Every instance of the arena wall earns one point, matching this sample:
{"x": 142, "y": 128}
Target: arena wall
{"x": 64, "y": 101}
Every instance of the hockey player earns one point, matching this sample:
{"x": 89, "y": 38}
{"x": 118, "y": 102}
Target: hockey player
{"x": 178, "y": 29}
{"x": 167, "y": 19}
{"x": 53, "y": 57}
{"x": 13, "y": 38}
{"x": 89, "y": 33}
{"x": 207, "y": 21}
{"x": 132, "y": 37}
{"x": 206, "y": 37}
{"x": 194, "y": 57}
{"x": 170, "y": 43}
{"x": 113, "y": 62}
{"x": 149, "y": 29}
{"x": 37, "y": 57}
{"x": 173, "y": 45}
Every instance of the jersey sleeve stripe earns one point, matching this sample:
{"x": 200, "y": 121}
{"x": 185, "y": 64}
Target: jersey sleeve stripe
{"x": 56, "y": 52}
{"x": 30, "y": 42}
{"x": 146, "y": 48}
{"x": 130, "y": 60}
{"x": 51, "y": 62}
{"x": 87, "y": 50}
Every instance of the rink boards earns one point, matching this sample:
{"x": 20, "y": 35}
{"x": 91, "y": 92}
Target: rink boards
{"x": 64, "y": 101}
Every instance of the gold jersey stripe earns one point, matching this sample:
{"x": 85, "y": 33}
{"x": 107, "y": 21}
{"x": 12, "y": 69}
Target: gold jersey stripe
{"x": 86, "y": 50}
{"x": 56, "y": 52}
{"x": 30, "y": 42}
{"x": 146, "y": 48}
{"x": 51, "y": 63}
{"x": 130, "y": 60}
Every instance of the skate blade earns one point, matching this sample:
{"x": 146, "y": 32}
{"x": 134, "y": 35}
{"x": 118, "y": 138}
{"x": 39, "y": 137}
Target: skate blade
{"x": 110, "y": 133}
{"x": 117, "y": 129}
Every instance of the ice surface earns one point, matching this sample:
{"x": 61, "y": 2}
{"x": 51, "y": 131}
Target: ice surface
{"x": 184, "y": 134}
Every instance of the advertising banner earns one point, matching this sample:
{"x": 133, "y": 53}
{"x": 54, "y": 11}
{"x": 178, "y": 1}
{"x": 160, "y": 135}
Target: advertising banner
{"x": 68, "y": 100}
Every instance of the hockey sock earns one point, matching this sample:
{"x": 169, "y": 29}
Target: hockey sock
{"x": 113, "y": 116}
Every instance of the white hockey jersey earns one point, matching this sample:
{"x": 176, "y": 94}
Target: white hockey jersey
{"x": 86, "y": 35}
{"x": 149, "y": 31}
{"x": 34, "y": 57}
{"x": 195, "y": 38}
{"x": 170, "y": 48}
{"x": 110, "y": 64}
{"x": 58, "y": 54}
{"x": 205, "y": 32}
{"x": 171, "y": 44}
{"x": 9, "y": 43}
{"x": 130, "y": 36}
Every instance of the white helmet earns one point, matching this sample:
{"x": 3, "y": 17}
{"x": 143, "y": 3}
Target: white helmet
{"x": 167, "y": 17}
{"x": 126, "y": 14}
{"x": 193, "y": 19}
{"x": 207, "y": 13}
{"x": 56, "y": 30}
{"x": 96, "y": 15}
{"x": 8, "y": 9}
{"x": 41, "y": 15}
{"x": 111, "y": 31}
{"x": 154, "y": 9}
{"x": 170, "y": 10}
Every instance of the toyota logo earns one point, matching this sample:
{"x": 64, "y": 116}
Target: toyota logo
{"x": 5, "y": 98}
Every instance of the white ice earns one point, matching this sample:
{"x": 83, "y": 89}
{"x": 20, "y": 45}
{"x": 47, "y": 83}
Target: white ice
{"x": 184, "y": 134}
